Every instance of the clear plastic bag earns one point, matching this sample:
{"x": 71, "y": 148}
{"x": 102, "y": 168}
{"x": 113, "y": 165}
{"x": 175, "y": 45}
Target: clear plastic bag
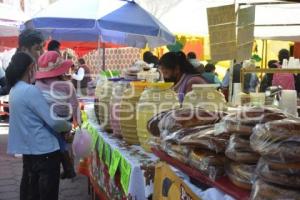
{"x": 82, "y": 143}
{"x": 284, "y": 175}
{"x": 153, "y": 123}
{"x": 240, "y": 174}
{"x": 185, "y": 118}
{"x": 208, "y": 163}
{"x": 199, "y": 137}
{"x": 278, "y": 141}
{"x": 239, "y": 150}
{"x": 265, "y": 191}
{"x": 178, "y": 152}
{"x": 243, "y": 121}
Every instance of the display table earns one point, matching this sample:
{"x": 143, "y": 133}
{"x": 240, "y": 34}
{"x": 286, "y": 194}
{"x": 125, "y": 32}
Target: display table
{"x": 222, "y": 183}
{"x": 118, "y": 170}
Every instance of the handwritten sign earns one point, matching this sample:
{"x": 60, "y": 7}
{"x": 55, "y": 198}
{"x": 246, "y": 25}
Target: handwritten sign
{"x": 107, "y": 154}
{"x": 222, "y": 32}
{"x": 115, "y": 160}
{"x": 100, "y": 148}
{"x": 125, "y": 175}
{"x": 245, "y": 33}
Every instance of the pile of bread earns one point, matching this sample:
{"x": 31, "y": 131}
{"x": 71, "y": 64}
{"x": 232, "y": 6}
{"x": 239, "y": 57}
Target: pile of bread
{"x": 257, "y": 148}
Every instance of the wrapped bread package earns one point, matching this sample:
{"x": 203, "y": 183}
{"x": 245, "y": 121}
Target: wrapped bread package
{"x": 208, "y": 163}
{"x": 240, "y": 174}
{"x": 243, "y": 121}
{"x": 278, "y": 141}
{"x": 178, "y": 152}
{"x": 239, "y": 150}
{"x": 265, "y": 191}
{"x": 152, "y": 125}
{"x": 202, "y": 137}
{"x": 185, "y": 118}
{"x": 285, "y": 175}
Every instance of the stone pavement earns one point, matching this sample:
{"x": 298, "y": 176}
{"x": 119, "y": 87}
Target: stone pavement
{"x": 11, "y": 172}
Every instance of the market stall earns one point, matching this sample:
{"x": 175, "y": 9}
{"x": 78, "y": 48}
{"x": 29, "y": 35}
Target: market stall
{"x": 119, "y": 170}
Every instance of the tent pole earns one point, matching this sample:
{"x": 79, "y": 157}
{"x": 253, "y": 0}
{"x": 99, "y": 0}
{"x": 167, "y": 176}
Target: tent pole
{"x": 263, "y": 53}
{"x": 266, "y": 54}
{"x": 103, "y": 56}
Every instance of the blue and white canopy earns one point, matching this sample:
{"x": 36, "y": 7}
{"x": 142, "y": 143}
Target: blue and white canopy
{"x": 116, "y": 21}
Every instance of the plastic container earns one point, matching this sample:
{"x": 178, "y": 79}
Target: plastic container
{"x": 115, "y": 103}
{"x": 104, "y": 93}
{"x": 156, "y": 98}
{"x": 128, "y": 106}
{"x": 205, "y": 96}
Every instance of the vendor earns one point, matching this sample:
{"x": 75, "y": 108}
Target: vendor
{"x": 81, "y": 76}
{"x": 175, "y": 67}
{"x": 285, "y": 80}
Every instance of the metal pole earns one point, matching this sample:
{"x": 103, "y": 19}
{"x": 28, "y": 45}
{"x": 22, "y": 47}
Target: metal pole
{"x": 103, "y": 56}
{"x": 230, "y": 92}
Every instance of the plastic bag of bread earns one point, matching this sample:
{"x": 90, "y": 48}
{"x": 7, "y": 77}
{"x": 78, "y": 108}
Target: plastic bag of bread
{"x": 178, "y": 152}
{"x": 185, "y": 118}
{"x": 243, "y": 121}
{"x": 278, "y": 141}
{"x": 285, "y": 175}
{"x": 240, "y": 175}
{"x": 208, "y": 163}
{"x": 239, "y": 150}
{"x": 152, "y": 125}
{"x": 265, "y": 191}
{"x": 202, "y": 137}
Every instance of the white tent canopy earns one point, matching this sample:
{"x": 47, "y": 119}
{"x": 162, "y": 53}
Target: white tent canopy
{"x": 273, "y": 21}
{"x": 10, "y": 20}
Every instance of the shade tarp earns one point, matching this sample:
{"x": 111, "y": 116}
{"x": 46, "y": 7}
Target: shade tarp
{"x": 273, "y": 21}
{"x": 116, "y": 21}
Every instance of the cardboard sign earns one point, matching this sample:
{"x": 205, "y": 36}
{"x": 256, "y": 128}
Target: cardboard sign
{"x": 125, "y": 175}
{"x": 221, "y": 15}
{"x": 222, "y": 32}
{"x": 245, "y": 33}
{"x": 115, "y": 160}
{"x": 168, "y": 186}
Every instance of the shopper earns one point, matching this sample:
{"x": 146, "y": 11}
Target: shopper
{"x": 209, "y": 74}
{"x": 285, "y": 80}
{"x": 32, "y": 132}
{"x": 31, "y": 42}
{"x": 54, "y": 45}
{"x": 268, "y": 78}
{"x": 151, "y": 59}
{"x": 81, "y": 77}
{"x": 191, "y": 56}
{"x": 60, "y": 95}
{"x": 251, "y": 80}
{"x": 176, "y": 68}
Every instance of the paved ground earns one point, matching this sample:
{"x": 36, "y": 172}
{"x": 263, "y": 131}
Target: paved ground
{"x": 11, "y": 171}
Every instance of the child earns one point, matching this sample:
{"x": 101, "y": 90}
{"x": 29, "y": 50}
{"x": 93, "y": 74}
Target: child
{"x": 51, "y": 79}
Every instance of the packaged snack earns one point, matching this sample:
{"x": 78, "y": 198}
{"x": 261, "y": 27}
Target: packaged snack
{"x": 243, "y": 121}
{"x": 278, "y": 141}
{"x": 239, "y": 150}
{"x": 265, "y": 191}
{"x": 208, "y": 163}
{"x": 185, "y": 118}
{"x": 201, "y": 137}
{"x": 284, "y": 176}
{"x": 240, "y": 174}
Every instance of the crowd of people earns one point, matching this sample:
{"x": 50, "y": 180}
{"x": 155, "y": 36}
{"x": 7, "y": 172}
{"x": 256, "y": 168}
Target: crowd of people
{"x": 186, "y": 70}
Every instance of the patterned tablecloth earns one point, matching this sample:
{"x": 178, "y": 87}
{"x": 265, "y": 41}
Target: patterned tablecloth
{"x": 113, "y": 158}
